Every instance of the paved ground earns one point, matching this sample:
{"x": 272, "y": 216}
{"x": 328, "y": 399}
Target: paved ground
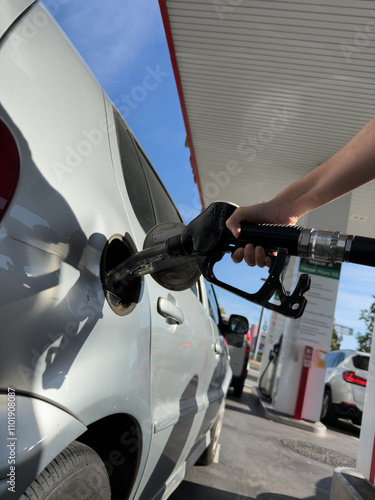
{"x": 264, "y": 460}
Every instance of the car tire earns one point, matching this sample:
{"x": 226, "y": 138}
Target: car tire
{"x": 238, "y": 388}
{"x": 208, "y": 456}
{"x": 327, "y": 414}
{"x": 77, "y": 472}
{"x": 357, "y": 420}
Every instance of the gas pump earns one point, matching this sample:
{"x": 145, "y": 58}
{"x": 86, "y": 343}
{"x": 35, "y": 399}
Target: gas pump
{"x": 266, "y": 384}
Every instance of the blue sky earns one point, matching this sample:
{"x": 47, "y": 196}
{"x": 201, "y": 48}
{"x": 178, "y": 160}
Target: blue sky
{"x": 123, "y": 42}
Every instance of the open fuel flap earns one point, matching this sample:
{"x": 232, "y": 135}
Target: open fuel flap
{"x": 122, "y": 295}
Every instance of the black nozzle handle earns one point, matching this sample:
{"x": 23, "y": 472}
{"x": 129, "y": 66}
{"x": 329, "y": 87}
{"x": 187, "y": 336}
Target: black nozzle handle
{"x": 270, "y": 236}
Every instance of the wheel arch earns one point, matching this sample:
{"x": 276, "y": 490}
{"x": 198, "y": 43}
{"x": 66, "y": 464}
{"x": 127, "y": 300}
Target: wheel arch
{"x": 117, "y": 439}
{"x": 327, "y": 387}
{"x": 42, "y": 431}
{"x": 39, "y": 431}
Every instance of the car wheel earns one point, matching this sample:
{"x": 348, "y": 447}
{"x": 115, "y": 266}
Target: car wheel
{"x": 77, "y": 473}
{"x": 357, "y": 420}
{"x": 327, "y": 413}
{"x": 238, "y": 388}
{"x": 209, "y": 453}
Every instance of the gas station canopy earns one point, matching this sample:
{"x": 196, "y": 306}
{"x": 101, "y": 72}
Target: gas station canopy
{"x": 271, "y": 89}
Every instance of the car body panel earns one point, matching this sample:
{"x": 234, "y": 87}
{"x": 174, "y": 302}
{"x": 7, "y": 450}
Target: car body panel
{"x": 10, "y": 12}
{"x": 49, "y": 431}
{"x": 181, "y": 419}
{"x": 359, "y": 394}
{"x": 54, "y": 258}
{"x": 54, "y": 287}
{"x": 177, "y": 415}
{"x": 346, "y": 398}
{"x": 78, "y": 357}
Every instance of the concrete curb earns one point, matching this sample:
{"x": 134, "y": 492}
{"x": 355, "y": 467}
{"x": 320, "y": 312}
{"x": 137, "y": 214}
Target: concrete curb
{"x": 315, "y": 427}
{"x": 349, "y": 484}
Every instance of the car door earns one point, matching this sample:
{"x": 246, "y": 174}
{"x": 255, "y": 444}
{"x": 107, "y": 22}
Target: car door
{"x": 222, "y": 375}
{"x": 182, "y": 352}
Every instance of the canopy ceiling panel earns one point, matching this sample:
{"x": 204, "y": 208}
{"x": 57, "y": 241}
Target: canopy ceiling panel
{"x": 271, "y": 89}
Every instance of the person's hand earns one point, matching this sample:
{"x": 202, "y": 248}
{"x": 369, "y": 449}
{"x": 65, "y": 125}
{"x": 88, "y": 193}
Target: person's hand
{"x": 268, "y": 212}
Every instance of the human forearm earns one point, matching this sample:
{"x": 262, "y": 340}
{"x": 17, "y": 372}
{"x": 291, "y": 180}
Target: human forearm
{"x": 351, "y": 167}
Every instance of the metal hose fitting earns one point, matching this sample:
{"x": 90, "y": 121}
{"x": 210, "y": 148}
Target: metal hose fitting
{"x": 324, "y": 246}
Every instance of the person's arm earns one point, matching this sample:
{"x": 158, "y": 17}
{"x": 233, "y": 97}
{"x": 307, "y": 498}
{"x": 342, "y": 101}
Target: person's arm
{"x": 351, "y": 167}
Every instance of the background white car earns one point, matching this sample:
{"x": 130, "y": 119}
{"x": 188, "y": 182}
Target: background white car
{"x": 102, "y": 388}
{"x": 345, "y": 385}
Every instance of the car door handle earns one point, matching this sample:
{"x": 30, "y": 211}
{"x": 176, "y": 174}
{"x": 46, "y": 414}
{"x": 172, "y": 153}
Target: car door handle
{"x": 170, "y": 311}
{"x": 218, "y": 349}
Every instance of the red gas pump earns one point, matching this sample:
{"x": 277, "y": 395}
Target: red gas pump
{"x": 306, "y": 364}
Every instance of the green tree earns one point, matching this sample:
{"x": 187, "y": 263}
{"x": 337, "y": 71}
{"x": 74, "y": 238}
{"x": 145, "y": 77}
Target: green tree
{"x": 336, "y": 339}
{"x": 368, "y": 316}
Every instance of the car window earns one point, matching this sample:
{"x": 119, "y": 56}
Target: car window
{"x": 135, "y": 180}
{"x": 331, "y": 359}
{"x": 361, "y": 362}
{"x": 164, "y": 206}
{"x": 340, "y": 358}
{"x": 212, "y": 303}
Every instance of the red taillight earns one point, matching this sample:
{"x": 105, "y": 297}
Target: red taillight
{"x": 9, "y": 167}
{"x": 352, "y": 378}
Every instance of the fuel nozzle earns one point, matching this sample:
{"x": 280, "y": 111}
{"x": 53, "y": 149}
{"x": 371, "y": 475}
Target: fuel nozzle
{"x": 164, "y": 257}
{"x": 175, "y": 255}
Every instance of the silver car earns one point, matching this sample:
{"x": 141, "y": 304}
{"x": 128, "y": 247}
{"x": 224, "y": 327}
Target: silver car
{"x": 345, "y": 385}
{"x": 103, "y": 388}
